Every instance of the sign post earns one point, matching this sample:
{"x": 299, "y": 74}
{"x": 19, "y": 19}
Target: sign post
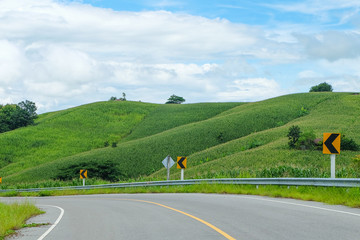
{"x": 168, "y": 163}
{"x": 331, "y": 145}
{"x": 83, "y": 175}
{"x": 181, "y": 164}
{"x": 332, "y": 165}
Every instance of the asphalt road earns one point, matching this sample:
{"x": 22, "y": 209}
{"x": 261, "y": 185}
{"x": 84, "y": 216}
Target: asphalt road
{"x": 189, "y": 216}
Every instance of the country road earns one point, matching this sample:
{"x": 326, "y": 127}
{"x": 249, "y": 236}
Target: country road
{"x": 188, "y": 216}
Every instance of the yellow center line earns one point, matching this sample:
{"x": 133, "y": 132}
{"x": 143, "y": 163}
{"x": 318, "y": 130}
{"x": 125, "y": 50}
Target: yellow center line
{"x": 227, "y": 236}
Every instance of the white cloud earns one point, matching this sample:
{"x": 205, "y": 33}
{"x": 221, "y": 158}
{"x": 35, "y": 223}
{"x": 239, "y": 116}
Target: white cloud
{"x": 309, "y": 74}
{"x": 153, "y": 35}
{"x": 251, "y": 89}
{"x": 347, "y": 83}
{"x": 316, "y": 7}
{"x": 341, "y": 66}
{"x": 331, "y": 45}
{"x": 61, "y": 54}
{"x": 11, "y": 61}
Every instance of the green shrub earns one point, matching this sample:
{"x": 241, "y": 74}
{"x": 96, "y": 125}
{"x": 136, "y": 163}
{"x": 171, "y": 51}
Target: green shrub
{"x": 322, "y": 87}
{"x": 348, "y": 144}
{"x": 106, "y": 170}
{"x": 293, "y": 135}
{"x": 45, "y": 193}
{"x": 303, "y": 112}
{"x": 306, "y": 141}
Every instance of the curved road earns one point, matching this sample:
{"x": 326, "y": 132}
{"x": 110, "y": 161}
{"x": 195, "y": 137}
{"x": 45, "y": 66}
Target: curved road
{"x": 189, "y": 216}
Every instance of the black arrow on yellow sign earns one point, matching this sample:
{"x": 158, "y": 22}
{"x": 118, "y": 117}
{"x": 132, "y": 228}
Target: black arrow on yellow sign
{"x": 83, "y": 173}
{"x": 181, "y": 162}
{"x": 331, "y": 143}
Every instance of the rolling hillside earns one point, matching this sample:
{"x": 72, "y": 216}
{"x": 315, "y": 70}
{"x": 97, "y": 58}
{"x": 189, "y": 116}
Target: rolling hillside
{"x": 220, "y": 139}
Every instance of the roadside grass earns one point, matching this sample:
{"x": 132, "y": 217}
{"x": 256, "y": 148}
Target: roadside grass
{"x": 330, "y": 195}
{"x": 13, "y": 217}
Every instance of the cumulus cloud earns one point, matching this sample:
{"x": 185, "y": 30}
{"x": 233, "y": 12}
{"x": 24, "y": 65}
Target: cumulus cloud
{"x": 331, "y": 45}
{"x": 55, "y": 52}
{"x": 342, "y": 74}
{"x": 62, "y": 54}
{"x": 131, "y": 35}
{"x": 11, "y": 62}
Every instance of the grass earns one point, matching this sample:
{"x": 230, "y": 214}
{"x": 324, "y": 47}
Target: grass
{"x": 142, "y": 156}
{"x": 330, "y": 195}
{"x": 13, "y": 216}
{"x": 220, "y": 139}
{"x": 260, "y": 151}
{"x": 169, "y": 116}
{"x": 65, "y": 133}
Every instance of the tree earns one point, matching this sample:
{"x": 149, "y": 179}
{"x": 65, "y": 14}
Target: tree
{"x": 120, "y": 99}
{"x": 14, "y": 116}
{"x": 322, "y": 87}
{"x": 123, "y": 98}
{"x": 293, "y": 135}
{"x": 173, "y": 99}
{"x": 29, "y": 110}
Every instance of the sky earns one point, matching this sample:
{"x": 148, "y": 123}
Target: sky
{"x": 62, "y": 53}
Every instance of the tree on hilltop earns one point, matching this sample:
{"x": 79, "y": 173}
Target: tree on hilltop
{"x": 14, "y": 116}
{"x": 322, "y": 87}
{"x": 173, "y": 99}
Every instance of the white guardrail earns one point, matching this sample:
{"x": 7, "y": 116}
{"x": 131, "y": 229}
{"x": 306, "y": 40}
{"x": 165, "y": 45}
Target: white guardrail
{"x": 323, "y": 182}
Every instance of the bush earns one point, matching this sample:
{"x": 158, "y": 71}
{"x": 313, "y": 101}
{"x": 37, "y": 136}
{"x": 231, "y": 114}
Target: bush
{"x": 306, "y": 141}
{"x": 322, "y": 87}
{"x": 293, "y": 135}
{"x": 299, "y": 140}
{"x": 106, "y": 170}
{"x": 349, "y": 144}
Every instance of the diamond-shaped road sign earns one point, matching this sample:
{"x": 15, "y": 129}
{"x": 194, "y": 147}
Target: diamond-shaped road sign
{"x": 171, "y": 162}
{"x": 331, "y": 143}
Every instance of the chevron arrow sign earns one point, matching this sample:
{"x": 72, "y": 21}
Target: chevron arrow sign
{"x": 331, "y": 143}
{"x": 181, "y": 162}
{"x": 83, "y": 174}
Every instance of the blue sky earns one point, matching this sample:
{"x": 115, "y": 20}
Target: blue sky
{"x": 63, "y": 53}
{"x": 249, "y": 12}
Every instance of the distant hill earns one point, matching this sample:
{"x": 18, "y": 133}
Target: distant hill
{"x": 220, "y": 139}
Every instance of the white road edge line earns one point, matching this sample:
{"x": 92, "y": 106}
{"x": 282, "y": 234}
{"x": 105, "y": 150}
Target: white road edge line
{"x": 304, "y": 205}
{"x": 55, "y": 223}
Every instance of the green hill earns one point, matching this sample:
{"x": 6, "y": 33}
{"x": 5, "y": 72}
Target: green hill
{"x": 220, "y": 139}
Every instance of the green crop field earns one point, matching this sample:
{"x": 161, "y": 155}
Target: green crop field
{"x": 220, "y": 139}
